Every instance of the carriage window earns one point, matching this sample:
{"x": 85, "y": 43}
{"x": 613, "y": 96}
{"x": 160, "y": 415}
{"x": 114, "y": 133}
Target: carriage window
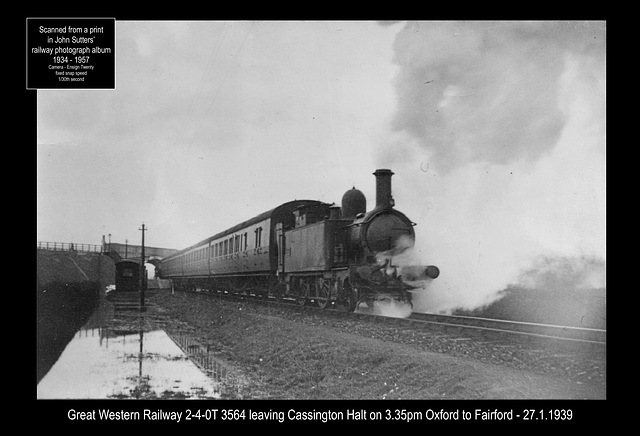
{"x": 258, "y": 237}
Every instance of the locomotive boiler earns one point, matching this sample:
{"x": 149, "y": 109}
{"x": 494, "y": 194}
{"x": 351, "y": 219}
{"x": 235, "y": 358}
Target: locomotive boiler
{"x": 311, "y": 252}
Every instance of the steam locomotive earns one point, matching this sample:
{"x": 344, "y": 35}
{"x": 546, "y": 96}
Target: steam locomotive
{"x": 311, "y": 252}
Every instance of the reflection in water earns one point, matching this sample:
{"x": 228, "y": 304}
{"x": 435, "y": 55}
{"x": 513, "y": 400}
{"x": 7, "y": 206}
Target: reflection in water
{"x": 123, "y": 361}
{"x": 201, "y": 355}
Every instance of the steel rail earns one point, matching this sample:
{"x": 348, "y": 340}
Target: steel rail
{"x": 478, "y": 324}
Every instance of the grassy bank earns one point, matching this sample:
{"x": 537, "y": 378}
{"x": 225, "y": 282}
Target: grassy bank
{"x": 62, "y": 308}
{"x": 303, "y": 359}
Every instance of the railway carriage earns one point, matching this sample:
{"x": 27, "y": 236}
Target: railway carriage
{"x": 128, "y": 275}
{"x": 309, "y": 251}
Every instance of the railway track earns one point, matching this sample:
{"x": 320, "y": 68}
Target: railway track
{"x": 498, "y": 326}
{"x": 472, "y": 326}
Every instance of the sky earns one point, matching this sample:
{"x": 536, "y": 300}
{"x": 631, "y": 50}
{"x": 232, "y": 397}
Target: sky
{"x": 496, "y": 133}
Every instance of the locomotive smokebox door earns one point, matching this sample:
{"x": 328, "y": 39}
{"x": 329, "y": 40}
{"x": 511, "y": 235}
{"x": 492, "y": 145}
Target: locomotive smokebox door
{"x": 389, "y": 231}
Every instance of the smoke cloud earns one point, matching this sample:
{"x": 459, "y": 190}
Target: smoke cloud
{"x": 486, "y": 92}
{"x": 498, "y": 142}
{"x": 558, "y": 274}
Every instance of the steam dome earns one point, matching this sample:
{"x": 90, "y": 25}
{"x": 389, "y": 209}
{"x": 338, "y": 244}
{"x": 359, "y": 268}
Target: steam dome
{"x": 353, "y": 203}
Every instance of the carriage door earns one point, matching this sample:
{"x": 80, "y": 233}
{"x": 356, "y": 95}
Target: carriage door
{"x": 281, "y": 247}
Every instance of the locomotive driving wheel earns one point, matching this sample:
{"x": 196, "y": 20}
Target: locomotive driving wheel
{"x": 323, "y": 293}
{"x": 303, "y": 292}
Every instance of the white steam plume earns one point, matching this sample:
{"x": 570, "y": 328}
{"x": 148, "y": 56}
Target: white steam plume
{"x": 499, "y": 143}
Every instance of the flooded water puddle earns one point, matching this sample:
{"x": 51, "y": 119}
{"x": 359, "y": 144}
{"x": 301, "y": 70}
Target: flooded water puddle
{"x": 122, "y": 361}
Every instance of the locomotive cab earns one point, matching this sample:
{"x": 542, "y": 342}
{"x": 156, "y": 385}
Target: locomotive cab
{"x": 310, "y": 214}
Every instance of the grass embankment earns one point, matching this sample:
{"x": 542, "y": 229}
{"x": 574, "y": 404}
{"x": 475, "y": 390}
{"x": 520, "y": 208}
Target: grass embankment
{"x": 62, "y": 308}
{"x": 292, "y": 359}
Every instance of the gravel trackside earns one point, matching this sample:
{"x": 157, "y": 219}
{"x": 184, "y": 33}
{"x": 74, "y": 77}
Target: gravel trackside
{"x": 283, "y": 355}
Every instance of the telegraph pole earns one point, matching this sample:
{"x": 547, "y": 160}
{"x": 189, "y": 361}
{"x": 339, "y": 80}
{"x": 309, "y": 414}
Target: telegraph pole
{"x": 143, "y": 270}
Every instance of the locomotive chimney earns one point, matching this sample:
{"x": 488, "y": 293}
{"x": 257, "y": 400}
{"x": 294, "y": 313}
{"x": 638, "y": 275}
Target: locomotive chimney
{"x": 383, "y": 189}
